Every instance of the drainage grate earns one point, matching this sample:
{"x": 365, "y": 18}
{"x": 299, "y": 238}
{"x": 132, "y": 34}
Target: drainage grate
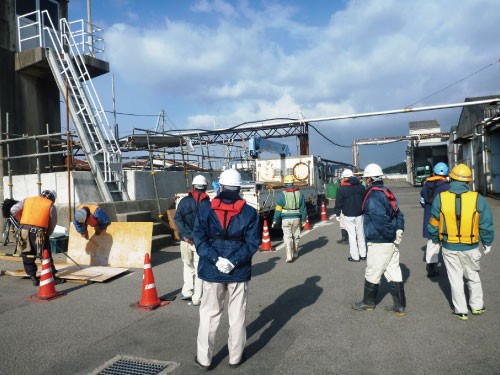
{"x": 122, "y": 365}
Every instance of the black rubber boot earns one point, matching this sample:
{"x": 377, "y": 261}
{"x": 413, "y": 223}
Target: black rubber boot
{"x": 35, "y": 280}
{"x": 399, "y": 298}
{"x": 345, "y": 237}
{"x": 432, "y": 270}
{"x": 369, "y": 297}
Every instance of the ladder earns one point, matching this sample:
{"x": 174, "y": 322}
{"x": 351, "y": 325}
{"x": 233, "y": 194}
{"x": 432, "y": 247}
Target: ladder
{"x": 65, "y": 57}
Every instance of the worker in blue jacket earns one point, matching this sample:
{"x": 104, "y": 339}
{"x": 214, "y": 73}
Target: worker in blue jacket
{"x": 226, "y": 236}
{"x": 460, "y": 219}
{"x": 432, "y": 187}
{"x": 384, "y": 225}
{"x": 90, "y": 214}
{"x": 291, "y": 210}
{"x": 184, "y": 218}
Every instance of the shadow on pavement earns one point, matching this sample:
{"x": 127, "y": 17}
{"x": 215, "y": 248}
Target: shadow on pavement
{"x": 277, "y": 315}
{"x": 309, "y": 246}
{"x": 264, "y": 267}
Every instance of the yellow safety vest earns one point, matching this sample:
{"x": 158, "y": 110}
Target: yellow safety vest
{"x": 292, "y": 202}
{"x": 462, "y": 227}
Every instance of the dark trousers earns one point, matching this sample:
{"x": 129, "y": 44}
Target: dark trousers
{"x": 29, "y": 262}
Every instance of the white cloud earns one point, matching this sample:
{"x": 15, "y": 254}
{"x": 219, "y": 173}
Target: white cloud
{"x": 255, "y": 63}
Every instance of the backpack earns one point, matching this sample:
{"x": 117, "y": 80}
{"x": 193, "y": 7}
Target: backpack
{"x": 6, "y": 206}
{"x": 389, "y": 195}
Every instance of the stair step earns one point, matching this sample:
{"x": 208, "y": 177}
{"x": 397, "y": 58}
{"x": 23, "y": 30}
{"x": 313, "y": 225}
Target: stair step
{"x": 160, "y": 241}
{"x": 134, "y": 216}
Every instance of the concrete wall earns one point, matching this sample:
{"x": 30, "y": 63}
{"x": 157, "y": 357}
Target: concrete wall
{"x": 80, "y": 187}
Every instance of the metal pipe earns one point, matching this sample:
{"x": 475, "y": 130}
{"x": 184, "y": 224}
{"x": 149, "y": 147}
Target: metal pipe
{"x": 9, "y": 170}
{"x": 38, "y": 172}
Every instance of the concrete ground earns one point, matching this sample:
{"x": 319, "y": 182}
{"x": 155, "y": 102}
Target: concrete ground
{"x": 299, "y": 318}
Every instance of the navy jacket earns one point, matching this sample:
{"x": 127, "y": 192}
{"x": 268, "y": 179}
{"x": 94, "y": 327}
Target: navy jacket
{"x": 350, "y": 198}
{"x": 185, "y": 215}
{"x": 431, "y": 189}
{"x": 243, "y": 240}
{"x": 380, "y": 220}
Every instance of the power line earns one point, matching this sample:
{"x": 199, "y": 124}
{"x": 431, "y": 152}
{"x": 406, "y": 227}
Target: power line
{"x": 328, "y": 139}
{"x": 453, "y": 84}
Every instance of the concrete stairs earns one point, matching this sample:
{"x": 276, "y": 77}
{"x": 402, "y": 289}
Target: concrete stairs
{"x": 162, "y": 235}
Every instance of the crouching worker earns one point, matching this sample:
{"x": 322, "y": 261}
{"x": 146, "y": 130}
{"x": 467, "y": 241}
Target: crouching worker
{"x": 38, "y": 218}
{"x": 90, "y": 214}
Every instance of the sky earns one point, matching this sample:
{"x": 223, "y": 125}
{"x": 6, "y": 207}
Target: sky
{"x": 215, "y": 64}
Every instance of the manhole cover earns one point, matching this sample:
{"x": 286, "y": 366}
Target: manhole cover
{"x": 124, "y": 365}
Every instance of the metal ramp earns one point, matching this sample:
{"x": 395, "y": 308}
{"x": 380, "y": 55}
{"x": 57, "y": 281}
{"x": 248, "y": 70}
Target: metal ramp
{"x": 65, "y": 56}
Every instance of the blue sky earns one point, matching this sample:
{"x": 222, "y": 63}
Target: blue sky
{"x": 220, "y": 63}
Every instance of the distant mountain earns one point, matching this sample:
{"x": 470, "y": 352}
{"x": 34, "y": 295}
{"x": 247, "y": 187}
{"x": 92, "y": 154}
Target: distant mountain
{"x": 398, "y": 168}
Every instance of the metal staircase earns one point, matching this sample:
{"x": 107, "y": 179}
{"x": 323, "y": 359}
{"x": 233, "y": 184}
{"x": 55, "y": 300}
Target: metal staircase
{"x": 65, "y": 56}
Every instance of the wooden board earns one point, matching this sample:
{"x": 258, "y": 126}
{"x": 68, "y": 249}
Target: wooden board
{"x": 122, "y": 244}
{"x": 171, "y": 224}
{"x": 75, "y": 273}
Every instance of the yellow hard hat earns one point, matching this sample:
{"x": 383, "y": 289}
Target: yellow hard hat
{"x": 288, "y": 179}
{"x": 461, "y": 172}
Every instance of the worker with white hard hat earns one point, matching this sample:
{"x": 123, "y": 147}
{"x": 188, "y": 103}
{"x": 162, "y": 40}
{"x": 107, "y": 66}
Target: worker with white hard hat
{"x": 460, "y": 219}
{"x": 185, "y": 216}
{"x": 384, "y": 225}
{"x": 38, "y": 218}
{"x": 226, "y": 235}
{"x": 348, "y": 203}
{"x": 90, "y": 215}
{"x": 291, "y": 210}
{"x": 344, "y": 240}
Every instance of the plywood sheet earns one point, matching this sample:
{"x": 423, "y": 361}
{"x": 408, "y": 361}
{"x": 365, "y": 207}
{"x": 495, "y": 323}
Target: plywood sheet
{"x": 95, "y": 274}
{"x": 122, "y": 244}
{"x": 171, "y": 224}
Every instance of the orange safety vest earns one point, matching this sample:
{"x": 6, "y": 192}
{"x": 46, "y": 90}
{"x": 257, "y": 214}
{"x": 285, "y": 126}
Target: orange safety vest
{"x": 36, "y": 212}
{"x": 460, "y": 227}
{"x": 91, "y": 220}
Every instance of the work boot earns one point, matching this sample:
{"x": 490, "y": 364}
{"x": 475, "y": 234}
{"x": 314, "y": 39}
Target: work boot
{"x": 369, "y": 297}
{"x": 399, "y": 298}
{"x": 345, "y": 238}
{"x": 35, "y": 280}
{"x": 58, "y": 280}
{"x": 431, "y": 269}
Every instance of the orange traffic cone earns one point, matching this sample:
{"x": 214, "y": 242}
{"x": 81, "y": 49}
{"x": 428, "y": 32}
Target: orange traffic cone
{"x": 323, "y": 212}
{"x": 47, "y": 291}
{"x": 307, "y": 226}
{"x": 266, "y": 239}
{"x": 149, "y": 299}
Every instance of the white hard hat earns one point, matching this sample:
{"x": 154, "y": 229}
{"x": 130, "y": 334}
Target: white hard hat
{"x": 49, "y": 194}
{"x": 200, "y": 180}
{"x": 230, "y": 177}
{"x": 373, "y": 170}
{"x": 346, "y": 173}
{"x": 80, "y": 215}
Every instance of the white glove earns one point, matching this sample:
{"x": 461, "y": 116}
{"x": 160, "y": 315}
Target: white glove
{"x": 337, "y": 217}
{"x": 224, "y": 265}
{"x": 399, "y": 236}
{"x": 487, "y": 249}
{"x": 273, "y": 225}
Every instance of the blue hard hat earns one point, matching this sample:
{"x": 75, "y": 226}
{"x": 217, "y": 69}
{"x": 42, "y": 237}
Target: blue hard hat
{"x": 441, "y": 169}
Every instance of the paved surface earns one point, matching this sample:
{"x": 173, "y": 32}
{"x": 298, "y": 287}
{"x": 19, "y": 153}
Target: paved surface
{"x": 299, "y": 319}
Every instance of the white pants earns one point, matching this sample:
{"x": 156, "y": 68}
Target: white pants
{"x": 432, "y": 252}
{"x": 193, "y": 286}
{"x": 341, "y": 221}
{"x": 460, "y": 264}
{"x": 383, "y": 259}
{"x": 211, "y": 308}
{"x": 354, "y": 227}
{"x": 291, "y": 237}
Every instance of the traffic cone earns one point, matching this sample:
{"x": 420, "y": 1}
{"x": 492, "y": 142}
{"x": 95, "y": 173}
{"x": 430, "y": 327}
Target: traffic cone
{"x": 149, "y": 299}
{"x": 323, "y": 212}
{"x": 47, "y": 291}
{"x": 307, "y": 226}
{"x": 266, "y": 239}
